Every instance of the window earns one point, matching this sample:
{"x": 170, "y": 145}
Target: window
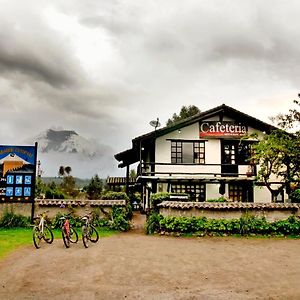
{"x": 188, "y": 152}
{"x": 235, "y": 192}
{"x": 245, "y": 151}
{"x": 241, "y": 191}
{"x": 196, "y": 191}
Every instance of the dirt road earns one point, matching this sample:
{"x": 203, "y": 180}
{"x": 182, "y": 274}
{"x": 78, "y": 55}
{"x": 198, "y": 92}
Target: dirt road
{"x": 135, "y": 266}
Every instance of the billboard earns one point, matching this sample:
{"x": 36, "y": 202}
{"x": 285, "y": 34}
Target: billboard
{"x": 17, "y": 173}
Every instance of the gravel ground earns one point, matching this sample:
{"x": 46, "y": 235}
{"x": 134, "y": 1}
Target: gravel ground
{"x": 135, "y": 266}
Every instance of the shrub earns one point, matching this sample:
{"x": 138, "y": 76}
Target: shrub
{"x": 153, "y": 223}
{"x": 115, "y": 196}
{"x": 135, "y": 199}
{"x": 295, "y": 196}
{"x": 10, "y": 220}
{"x": 221, "y": 199}
{"x": 74, "y": 220}
{"x": 119, "y": 219}
{"x": 157, "y": 198}
{"x": 247, "y": 224}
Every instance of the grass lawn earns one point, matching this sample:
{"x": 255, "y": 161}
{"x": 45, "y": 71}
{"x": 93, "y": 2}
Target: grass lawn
{"x": 12, "y": 239}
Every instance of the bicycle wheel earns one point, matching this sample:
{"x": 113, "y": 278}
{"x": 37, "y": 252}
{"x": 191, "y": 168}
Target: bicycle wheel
{"x": 36, "y": 236}
{"x": 94, "y": 236}
{"x": 73, "y": 235}
{"x": 85, "y": 236}
{"x": 48, "y": 235}
{"x": 65, "y": 237}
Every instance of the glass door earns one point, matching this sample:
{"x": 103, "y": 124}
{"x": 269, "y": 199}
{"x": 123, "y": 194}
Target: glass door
{"x": 228, "y": 158}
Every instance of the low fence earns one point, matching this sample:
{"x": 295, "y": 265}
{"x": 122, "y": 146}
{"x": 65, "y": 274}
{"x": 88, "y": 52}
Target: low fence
{"x": 229, "y": 210}
{"x": 55, "y": 206}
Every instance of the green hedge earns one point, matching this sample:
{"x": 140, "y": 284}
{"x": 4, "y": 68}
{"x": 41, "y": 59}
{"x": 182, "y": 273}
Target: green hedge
{"x": 10, "y": 220}
{"x": 245, "y": 225}
{"x": 221, "y": 199}
{"x": 115, "y": 196}
{"x": 118, "y": 219}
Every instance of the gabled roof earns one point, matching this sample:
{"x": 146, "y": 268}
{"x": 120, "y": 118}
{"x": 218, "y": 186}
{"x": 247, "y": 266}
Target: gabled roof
{"x": 132, "y": 155}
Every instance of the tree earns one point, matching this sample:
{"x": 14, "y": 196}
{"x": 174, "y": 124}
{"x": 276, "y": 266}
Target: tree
{"x": 185, "y": 112}
{"x": 94, "y": 188}
{"x": 290, "y": 120}
{"x": 68, "y": 170}
{"x": 39, "y": 188}
{"x": 61, "y": 171}
{"x": 278, "y": 154}
{"x": 132, "y": 174}
{"x": 69, "y": 186}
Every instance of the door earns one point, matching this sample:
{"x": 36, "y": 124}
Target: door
{"x": 229, "y": 165}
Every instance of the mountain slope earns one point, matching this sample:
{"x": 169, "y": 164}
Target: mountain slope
{"x": 67, "y": 148}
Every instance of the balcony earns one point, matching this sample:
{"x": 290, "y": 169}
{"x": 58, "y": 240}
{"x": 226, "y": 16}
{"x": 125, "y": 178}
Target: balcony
{"x": 198, "y": 170}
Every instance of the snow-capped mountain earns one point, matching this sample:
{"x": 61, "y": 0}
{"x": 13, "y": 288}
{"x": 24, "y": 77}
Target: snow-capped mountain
{"x": 69, "y": 141}
{"x": 67, "y": 148}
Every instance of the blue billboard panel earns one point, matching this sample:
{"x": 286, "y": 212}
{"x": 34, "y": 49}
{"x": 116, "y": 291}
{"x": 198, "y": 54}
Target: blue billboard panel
{"x": 27, "y": 179}
{"x": 10, "y": 179}
{"x": 17, "y": 173}
{"x": 27, "y": 191}
{"x": 19, "y": 179}
{"x": 18, "y": 191}
{"x": 9, "y": 191}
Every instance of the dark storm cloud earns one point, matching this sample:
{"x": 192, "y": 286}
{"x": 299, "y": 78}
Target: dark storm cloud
{"x": 96, "y": 102}
{"x": 30, "y": 48}
{"x": 47, "y": 69}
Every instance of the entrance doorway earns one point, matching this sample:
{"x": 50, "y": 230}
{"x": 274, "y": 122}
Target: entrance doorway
{"x": 229, "y": 165}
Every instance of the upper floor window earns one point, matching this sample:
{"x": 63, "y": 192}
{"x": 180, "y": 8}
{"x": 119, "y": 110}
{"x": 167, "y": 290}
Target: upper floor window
{"x": 188, "y": 152}
{"x": 244, "y": 152}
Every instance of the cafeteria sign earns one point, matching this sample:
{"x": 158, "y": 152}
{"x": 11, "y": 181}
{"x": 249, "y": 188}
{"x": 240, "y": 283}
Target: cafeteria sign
{"x": 17, "y": 173}
{"x": 221, "y": 129}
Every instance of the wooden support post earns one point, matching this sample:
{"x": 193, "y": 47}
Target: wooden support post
{"x": 127, "y": 179}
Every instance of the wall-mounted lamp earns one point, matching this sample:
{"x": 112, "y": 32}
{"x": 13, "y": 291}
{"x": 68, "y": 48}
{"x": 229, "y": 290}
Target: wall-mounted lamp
{"x": 179, "y": 130}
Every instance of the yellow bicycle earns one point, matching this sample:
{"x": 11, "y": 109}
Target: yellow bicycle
{"x": 41, "y": 231}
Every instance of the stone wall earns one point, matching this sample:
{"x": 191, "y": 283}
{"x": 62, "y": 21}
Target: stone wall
{"x": 229, "y": 210}
{"x": 18, "y": 208}
{"x": 55, "y": 206}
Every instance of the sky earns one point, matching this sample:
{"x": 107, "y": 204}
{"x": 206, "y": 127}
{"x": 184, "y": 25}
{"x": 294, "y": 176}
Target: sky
{"x": 107, "y": 68}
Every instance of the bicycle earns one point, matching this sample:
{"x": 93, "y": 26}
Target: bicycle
{"x": 89, "y": 232}
{"x": 41, "y": 231}
{"x": 68, "y": 233}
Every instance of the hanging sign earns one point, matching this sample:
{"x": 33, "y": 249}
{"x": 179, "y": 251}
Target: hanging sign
{"x": 221, "y": 129}
{"x": 17, "y": 173}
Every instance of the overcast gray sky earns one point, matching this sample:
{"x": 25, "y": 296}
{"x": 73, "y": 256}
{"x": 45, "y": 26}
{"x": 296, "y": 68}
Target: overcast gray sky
{"x": 106, "y": 68}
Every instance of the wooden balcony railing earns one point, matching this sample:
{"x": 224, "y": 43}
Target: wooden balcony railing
{"x": 188, "y": 169}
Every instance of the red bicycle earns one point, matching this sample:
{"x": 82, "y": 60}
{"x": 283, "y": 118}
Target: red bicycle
{"x": 68, "y": 233}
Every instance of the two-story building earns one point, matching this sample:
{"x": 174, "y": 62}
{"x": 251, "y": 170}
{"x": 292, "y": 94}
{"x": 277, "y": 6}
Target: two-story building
{"x": 206, "y": 156}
